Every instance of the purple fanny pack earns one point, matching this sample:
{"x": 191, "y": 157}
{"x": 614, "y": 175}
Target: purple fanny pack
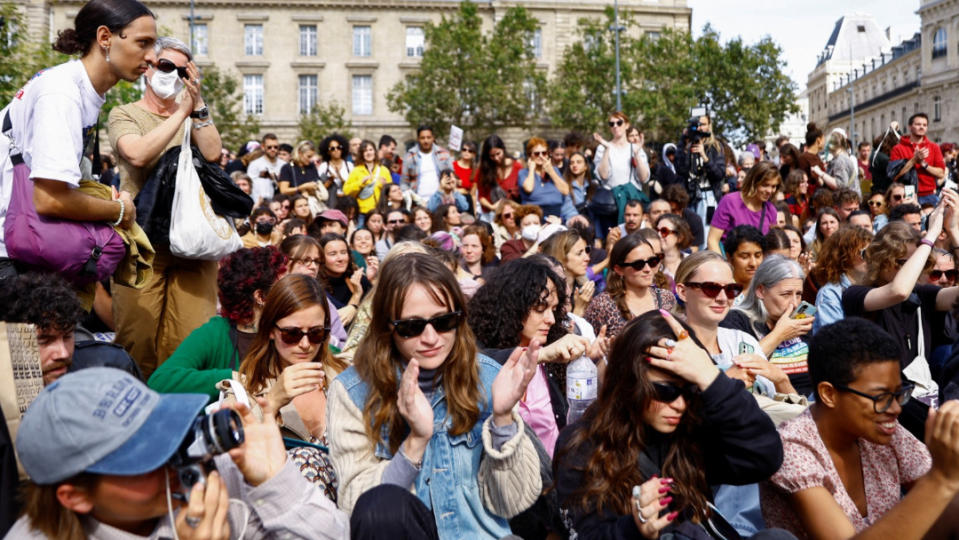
{"x": 80, "y": 251}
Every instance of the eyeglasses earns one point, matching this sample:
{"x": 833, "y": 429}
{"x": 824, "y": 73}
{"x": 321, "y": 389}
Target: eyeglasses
{"x": 882, "y": 402}
{"x": 669, "y": 392}
{"x": 875, "y": 203}
{"x": 507, "y": 216}
{"x": 470, "y": 150}
{"x": 540, "y": 153}
{"x": 292, "y": 336}
{"x": 711, "y": 289}
{"x": 167, "y": 66}
{"x": 408, "y": 328}
{"x": 272, "y": 147}
{"x": 395, "y": 221}
{"x": 639, "y": 264}
{"x": 665, "y": 231}
{"x": 308, "y": 261}
{"x": 335, "y": 148}
{"x": 613, "y": 123}
{"x": 950, "y": 274}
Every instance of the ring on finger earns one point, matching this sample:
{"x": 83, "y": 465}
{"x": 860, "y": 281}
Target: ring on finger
{"x": 639, "y": 513}
{"x": 670, "y": 343}
{"x": 194, "y": 521}
{"x": 683, "y": 334}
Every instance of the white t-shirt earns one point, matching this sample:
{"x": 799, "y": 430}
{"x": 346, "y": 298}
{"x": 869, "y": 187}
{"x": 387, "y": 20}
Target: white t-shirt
{"x": 263, "y": 187}
{"x": 428, "y": 180}
{"x": 620, "y": 164}
{"x": 54, "y": 117}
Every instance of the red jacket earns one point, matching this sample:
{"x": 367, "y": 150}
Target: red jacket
{"x": 905, "y": 150}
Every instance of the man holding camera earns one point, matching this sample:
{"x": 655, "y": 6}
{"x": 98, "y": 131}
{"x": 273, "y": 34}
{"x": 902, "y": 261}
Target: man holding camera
{"x": 701, "y": 164}
{"x": 97, "y": 445}
{"x": 923, "y": 155}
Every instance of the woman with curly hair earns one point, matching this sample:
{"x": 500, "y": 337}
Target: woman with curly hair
{"x": 523, "y": 301}
{"x": 666, "y": 426}
{"x": 840, "y": 265}
{"x": 334, "y": 169}
{"x": 213, "y": 351}
{"x": 629, "y": 287}
{"x": 423, "y": 431}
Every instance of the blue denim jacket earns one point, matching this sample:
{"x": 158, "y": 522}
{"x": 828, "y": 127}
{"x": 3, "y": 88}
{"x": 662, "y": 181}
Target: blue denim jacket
{"x": 447, "y": 483}
{"x": 829, "y": 303}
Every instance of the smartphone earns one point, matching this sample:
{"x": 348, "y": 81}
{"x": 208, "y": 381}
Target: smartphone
{"x": 745, "y": 348}
{"x": 910, "y": 192}
{"x": 804, "y": 310}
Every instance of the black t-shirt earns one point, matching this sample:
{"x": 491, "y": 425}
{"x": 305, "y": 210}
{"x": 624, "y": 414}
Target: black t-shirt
{"x": 695, "y": 225}
{"x": 793, "y": 352}
{"x": 297, "y": 175}
{"x": 901, "y": 320}
{"x": 340, "y": 292}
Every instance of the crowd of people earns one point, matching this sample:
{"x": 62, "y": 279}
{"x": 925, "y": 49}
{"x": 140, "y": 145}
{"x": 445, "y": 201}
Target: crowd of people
{"x": 385, "y": 356}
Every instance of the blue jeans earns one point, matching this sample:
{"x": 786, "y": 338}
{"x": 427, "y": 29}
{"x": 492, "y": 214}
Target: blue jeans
{"x": 740, "y": 506}
{"x": 932, "y": 200}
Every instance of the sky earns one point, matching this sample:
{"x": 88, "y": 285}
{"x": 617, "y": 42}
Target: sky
{"x": 800, "y": 28}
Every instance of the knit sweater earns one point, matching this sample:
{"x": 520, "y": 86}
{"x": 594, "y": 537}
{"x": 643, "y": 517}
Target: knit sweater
{"x": 202, "y": 360}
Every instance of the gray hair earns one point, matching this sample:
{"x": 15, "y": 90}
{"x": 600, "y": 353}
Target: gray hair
{"x": 166, "y": 42}
{"x": 771, "y": 271}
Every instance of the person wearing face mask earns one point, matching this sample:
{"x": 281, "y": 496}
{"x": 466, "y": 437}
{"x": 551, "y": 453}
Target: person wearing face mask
{"x": 151, "y": 322}
{"x": 261, "y": 233}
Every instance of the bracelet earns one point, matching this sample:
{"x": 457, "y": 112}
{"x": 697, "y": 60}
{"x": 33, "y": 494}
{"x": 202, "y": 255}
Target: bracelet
{"x": 200, "y": 125}
{"x": 928, "y": 242}
{"x": 123, "y": 208}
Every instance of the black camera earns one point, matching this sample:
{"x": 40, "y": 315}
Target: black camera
{"x": 211, "y": 435}
{"x": 693, "y": 135}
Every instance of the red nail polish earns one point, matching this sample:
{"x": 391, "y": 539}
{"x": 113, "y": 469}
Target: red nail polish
{"x": 664, "y": 490}
{"x": 667, "y": 480}
{"x": 671, "y": 516}
{"x": 665, "y": 501}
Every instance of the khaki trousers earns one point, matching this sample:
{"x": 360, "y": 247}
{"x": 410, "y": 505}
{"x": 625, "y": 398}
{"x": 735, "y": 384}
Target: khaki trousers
{"x": 152, "y": 321}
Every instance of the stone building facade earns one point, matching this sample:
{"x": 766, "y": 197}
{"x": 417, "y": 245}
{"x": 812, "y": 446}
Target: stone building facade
{"x": 291, "y": 54}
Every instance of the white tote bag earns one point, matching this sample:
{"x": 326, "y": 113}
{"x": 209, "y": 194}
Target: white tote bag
{"x": 196, "y": 232}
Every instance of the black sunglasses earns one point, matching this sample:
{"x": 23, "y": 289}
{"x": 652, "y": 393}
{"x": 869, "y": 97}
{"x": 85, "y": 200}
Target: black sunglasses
{"x": 166, "y": 66}
{"x": 950, "y": 274}
{"x": 334, "y": 148}
{"x": 882, "y": 402}
{"x": 395, "y": 221}
{"x": 712, "y": 290}
{"x": 615, "y": 123}
{"x": 668, "y": 392}
{"x": 897, "y": 197}
{"x": 540, "y": 153}
{"x": 408, "y": 328}
{"x": 875, "y": 203}
{"x": 639, "y": 264}
{"x": 292, "y": 336}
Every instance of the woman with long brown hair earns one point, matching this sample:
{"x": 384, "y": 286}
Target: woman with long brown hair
{"x": 424, "y": 410}
{"x": 839, "y": 266}
{"x": 662, "y": 430}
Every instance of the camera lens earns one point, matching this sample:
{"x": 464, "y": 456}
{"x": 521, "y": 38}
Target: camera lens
{"x": 227, "y": 430}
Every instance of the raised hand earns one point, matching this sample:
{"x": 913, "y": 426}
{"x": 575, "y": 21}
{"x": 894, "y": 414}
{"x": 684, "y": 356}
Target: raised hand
{"x": 511, "y": 381}
{"x": 294, "y": 380}
{"x": 600, "y": 347}
{"x": 564, "y": 349}
{"x": 684, "y": 358}
{"x": 262, "y": 453}
{"x": 412, "y": 403}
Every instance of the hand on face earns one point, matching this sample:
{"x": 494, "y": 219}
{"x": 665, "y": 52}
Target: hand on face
{"x": 412, "y": 403}
{"x": 685, "y": 359}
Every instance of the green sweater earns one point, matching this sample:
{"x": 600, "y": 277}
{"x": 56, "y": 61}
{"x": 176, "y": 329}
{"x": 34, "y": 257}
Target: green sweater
{"x": 202, "y": 360}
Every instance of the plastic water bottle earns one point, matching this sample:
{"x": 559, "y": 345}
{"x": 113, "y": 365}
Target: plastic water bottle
{"x": 582, "y": 381}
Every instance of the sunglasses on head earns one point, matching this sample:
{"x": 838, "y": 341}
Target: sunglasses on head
{"x": 292, "y": 336}
{"x": 408, "y": 328}
{"x": 639, "y": 264}
{"x": 167, "y": 66}
{"x": 613, "y": 123}
{"x": 668, "y": 392}
{"x": 665, "y": 231}
{"x": 712, "y": 290}
{"x": 950, "y": 274}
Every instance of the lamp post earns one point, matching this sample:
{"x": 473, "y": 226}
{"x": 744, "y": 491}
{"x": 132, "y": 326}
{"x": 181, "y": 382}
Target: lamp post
{"x": 191, "y": 26}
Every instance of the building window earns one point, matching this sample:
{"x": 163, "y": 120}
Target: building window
{"x": 307, "y": 93}
{"x": 362, "y": 94}
{"x": 415, "y": 41}
{"x": 253, "y": 94}
{"x": 253, "y": 39}
{"x": 308, "y": 40}
{"x": 903, "y": 114}
{"x": 200, "y": 40}
{"x": 362, "y": 41}
{"x": 936, "y": 109}
{"x": 536, "y": 43}
{"x": 939, "y": 43}
{"x": 653, "y": 36}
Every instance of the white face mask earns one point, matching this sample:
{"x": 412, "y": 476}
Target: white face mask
{"x": 166, "y": 85}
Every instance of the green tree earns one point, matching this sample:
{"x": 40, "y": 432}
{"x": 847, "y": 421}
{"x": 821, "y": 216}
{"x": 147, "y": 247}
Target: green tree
{"x": 223, "y": 96}
{"x": 472, "y": 80}
{"x": 324, "y": 120}
{"x": 664, "y": 77}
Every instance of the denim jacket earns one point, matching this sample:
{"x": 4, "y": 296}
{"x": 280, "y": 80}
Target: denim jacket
{"x": 411, "y": 164}
{"x": 829, "y": 303}
{"x": 451, "y": 481}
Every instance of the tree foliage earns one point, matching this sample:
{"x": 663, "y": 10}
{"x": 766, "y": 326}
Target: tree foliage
{"x": 224, "y": 97}
{"x": 474, "y": 80}
{"x": 747, "y": 92}
{"x": 324, "y": 120}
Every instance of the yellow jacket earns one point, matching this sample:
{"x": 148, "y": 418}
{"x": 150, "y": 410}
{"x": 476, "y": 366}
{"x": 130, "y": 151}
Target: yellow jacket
{"x": 367, "y": 192}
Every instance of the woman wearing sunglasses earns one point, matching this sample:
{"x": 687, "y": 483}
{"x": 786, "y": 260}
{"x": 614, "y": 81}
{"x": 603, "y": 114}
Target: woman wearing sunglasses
{"x": 334, "y": 168}
{"x": 290, "y": 365}
{"x": 622, "y": 167}
{"x": 540, "y": 182}
{"x": 681, "y": 420}
{"x": 571, "y": 249}
{"x": 848, "y": 460}
{"x": 424, "y": 411}
{"x": 677, "y": 237}
{"x": 629, "y": 287}
{"x": 878, "y": 209}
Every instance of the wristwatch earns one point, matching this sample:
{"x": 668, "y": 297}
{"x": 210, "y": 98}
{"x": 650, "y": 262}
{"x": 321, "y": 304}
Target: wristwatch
{"x": 201, "y": 114}
{"x": 924, "y": 165}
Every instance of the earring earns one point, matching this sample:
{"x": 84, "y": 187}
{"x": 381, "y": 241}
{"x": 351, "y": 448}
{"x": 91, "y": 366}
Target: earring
{"x": 106, "y": 54}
